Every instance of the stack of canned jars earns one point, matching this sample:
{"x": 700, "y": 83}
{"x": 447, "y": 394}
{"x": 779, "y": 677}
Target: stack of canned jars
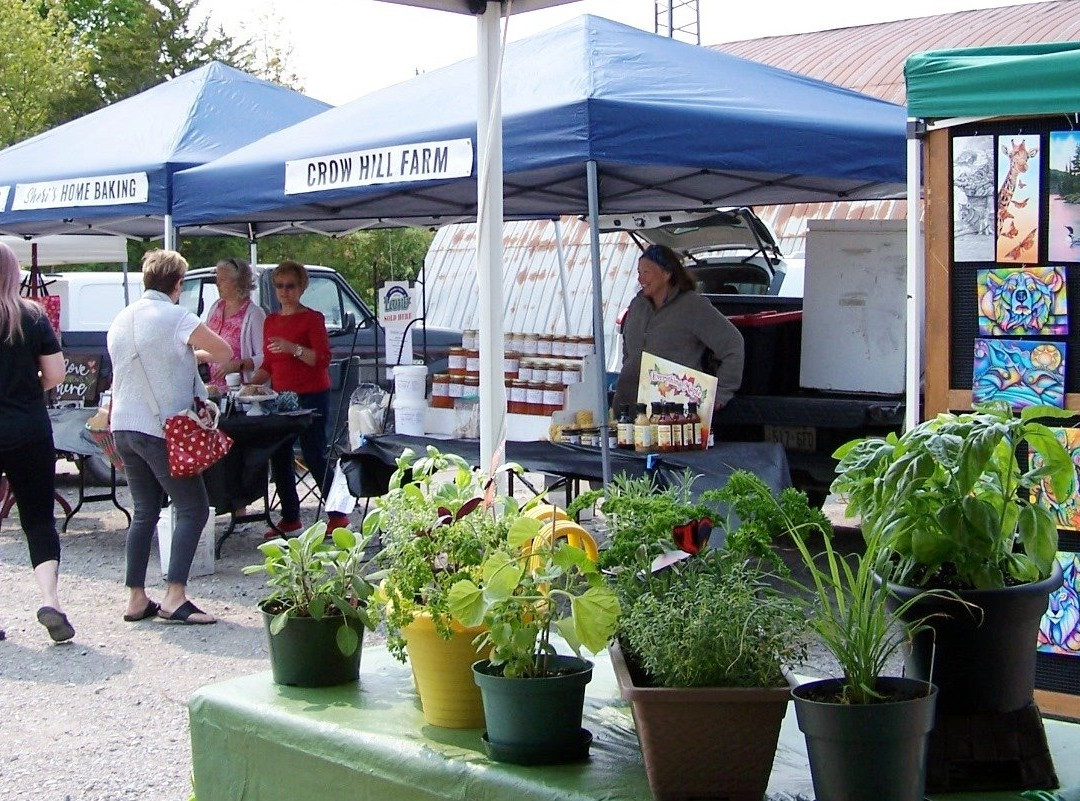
{"x": 537, "y": 368}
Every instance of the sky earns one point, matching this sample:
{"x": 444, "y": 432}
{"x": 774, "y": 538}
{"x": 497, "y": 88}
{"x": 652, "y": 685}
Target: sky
{"x": 343, "y": 49}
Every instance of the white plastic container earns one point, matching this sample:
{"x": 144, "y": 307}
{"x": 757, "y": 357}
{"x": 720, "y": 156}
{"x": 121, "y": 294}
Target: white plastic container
{"x": 203, "y": 562}
{"x": 409, "y": 416}
{"x": 410, "y": 381}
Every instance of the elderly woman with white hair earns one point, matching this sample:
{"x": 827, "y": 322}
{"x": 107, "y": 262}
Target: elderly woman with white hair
{"x": 238, "y": 320}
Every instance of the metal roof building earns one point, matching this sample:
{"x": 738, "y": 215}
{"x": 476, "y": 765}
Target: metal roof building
{"x": 866, "y": 58}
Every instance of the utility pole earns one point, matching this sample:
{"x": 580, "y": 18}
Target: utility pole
{"x": 678, "y": 19}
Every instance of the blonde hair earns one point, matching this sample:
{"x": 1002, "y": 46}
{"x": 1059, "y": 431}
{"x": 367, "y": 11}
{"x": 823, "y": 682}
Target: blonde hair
{"x": 293, "y": 268}
{"x": 241, "y": 273}
{"x": 162, "y": 270}
{"x": 12, "y": 305}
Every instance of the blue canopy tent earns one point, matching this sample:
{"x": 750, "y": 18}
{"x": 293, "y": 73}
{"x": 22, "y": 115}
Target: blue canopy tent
{"x": 111, "y": 171}
{"x": 597, "y": 117}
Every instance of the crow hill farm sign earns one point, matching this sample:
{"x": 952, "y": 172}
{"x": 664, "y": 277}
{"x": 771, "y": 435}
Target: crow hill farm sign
{"x": 422, "y": 161}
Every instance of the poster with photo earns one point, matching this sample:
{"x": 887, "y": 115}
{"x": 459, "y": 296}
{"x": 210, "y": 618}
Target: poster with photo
{"x": 1018, "y": 199}
{"x": 1019, "y": 372}
{"x": 973, "y": 198}
{"x": 1023, "y": 301}
{"x": 1063, "y": 187}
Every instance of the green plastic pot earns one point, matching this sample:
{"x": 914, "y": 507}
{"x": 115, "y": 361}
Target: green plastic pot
{"x": 305, "y": 652}
{"x": 536, "y": 720}
{"x": 867, "y": 752}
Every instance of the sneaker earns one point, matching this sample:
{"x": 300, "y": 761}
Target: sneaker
{"x": 283, "y": 530}
{"x": 336, "y": 520}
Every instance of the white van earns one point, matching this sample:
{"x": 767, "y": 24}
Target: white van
{"x": 91, "y": 301}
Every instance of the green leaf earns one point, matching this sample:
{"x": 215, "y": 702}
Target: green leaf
{"x": 565, "y": 627}
{"x": 1039, "y": 536}
{"x": 501, "y": 576}
{"x": 317, "y": 607}
{"x": 347, "y": 640}
{"x": 568, "y": 556}
{"x": 522, "y": 530}
{"x": 595, "y": 613}
{"x": 344, "y": 539}
{"x": 466, "y": 603}
{"x": 278, "y": 622}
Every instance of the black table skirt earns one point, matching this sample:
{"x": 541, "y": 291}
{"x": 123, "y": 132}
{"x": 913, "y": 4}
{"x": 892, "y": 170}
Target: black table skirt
{"x": 369, "y": 467}
{"x": 241, "y": 477}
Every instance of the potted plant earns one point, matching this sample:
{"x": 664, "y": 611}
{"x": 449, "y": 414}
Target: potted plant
{"x": 950, "y": 507}
{"x": 536, "y": 584}
{"x": 437, "y": 522}
{"x": 703, "y": 640}
{"x": 866, "y": 733}
{"x": 316, "y": 612}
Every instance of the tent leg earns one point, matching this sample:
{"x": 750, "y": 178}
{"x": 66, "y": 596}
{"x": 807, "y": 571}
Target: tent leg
{"x": 170, "y": 234}
{"x": 916, "y": 287}
{"x": 598, "y": 315}
{"x": 562, "y": 273}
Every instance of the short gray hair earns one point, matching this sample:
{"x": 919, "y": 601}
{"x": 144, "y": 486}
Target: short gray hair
{"x": 240, "y": 270}
{"x": 162, "y": 270}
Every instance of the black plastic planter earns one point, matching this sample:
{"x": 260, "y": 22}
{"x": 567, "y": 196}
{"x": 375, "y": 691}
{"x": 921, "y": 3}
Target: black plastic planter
{"x": 867, "y": 752}
{"x": 981, "y": 663}
{"x": 305, "y": 653}
{"x": 536, "y": 721}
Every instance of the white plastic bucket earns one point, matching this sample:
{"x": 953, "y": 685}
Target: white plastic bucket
{"x": 203, "y": 562}
{"x": 410, "y": 381}
{"x": 409, "y": 416}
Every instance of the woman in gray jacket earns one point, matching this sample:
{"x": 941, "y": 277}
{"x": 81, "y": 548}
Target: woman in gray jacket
{"x": 670, "y": 319}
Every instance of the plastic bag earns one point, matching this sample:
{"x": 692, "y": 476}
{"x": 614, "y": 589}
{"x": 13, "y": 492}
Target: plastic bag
{"x": 367, "y": 412}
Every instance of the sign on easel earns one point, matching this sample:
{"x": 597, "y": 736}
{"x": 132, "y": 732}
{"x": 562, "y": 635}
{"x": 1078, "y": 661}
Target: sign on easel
{"x": 80, "y": 380}
{"x": 397, "y": 309}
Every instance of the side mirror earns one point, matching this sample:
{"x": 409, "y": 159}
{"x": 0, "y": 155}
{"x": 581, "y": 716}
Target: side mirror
{"x": 348, "y": 325}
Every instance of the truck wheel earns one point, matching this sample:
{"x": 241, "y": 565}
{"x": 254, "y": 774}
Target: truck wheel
{"x": 98, "y": 473}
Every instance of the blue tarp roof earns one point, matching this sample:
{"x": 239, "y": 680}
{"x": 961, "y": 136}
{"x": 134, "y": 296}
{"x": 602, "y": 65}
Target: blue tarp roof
{"x": 137, "y": 142}
{"x": 670, "y": 125}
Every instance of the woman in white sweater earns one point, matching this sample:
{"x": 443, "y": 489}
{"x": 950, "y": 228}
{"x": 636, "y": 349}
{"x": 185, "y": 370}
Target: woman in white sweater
{"x": 236, "y": 319}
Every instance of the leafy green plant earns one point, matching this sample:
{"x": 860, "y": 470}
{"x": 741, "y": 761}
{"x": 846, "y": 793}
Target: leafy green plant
{"x": 529, "y": 589}
{"x": 764, "y": 519}
{"x": 438, "y": 522}
{"x": 712, "y": 621}
{"x": 310, "y": 576}
{"x": 949, "y": 502}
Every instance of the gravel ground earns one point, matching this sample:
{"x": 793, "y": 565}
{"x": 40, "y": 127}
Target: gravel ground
{"x": 105, "y": 715}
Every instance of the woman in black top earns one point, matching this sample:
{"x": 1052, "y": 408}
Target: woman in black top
{"x": 30, "y": 364}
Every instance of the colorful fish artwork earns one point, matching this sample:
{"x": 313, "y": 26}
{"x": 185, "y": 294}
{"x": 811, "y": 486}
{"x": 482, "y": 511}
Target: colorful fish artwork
{"x": 1065, "y": 510}
{"x": 1019, "y": 372}
{"x": 1023, "y": 301}
{"x": 1059, "y": 629}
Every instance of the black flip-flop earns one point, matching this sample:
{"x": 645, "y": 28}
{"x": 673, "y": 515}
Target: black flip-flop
{"x": 56, "y": 622}
{"x": 182, "y": 614}
{"x": 150, "y": 611}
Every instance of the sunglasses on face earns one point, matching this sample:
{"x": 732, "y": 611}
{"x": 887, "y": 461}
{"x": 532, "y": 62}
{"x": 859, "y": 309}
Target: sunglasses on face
{"x": 284, "y": 286}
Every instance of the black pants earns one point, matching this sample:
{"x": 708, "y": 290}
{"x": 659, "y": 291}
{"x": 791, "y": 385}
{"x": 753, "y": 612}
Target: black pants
{"x": 31, "y": 471}
{"x": 313, "y": 447}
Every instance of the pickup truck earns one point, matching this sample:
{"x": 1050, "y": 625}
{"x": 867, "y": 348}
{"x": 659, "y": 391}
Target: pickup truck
{"x": 91, "y": 300}
{"x": 739, "y": 267}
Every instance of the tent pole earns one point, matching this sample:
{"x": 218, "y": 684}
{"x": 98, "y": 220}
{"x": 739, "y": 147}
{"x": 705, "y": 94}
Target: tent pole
{"x": 253, "y": 246}
{"x": 562, "y": 273}
{"x": 598, "y": 315}
{"x": 916, "y": 287}
{"x": 489, "y": 256}
{"x": 170, "y": 234}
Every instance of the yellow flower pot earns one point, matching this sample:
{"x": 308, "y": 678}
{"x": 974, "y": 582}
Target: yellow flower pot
{"x": 442, "y": 670}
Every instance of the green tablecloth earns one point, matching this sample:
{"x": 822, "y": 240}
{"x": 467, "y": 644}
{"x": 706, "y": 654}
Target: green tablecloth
{"x": 256, "y": 741}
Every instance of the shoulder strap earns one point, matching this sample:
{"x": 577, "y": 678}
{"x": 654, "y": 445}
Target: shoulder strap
{"x": 147, "y": 387}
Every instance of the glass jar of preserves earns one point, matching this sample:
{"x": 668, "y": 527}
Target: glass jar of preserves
{"x": 517, "y": 341}
{"x": 528, "y": 345}
{"x": 518, "y": 401}
{"x": 470, "y": 339}
{"x": 512, "y": 364}
{"x": 534, "y": 403}
{"x": 553, "y": 397}
{"x": 558, "y": 347}
{"x": 586, "y": 347}
{"x": 457, "y": 361}
{"x": 470, "y": 386}
{"x": 472, "y": 363}
{"x": 440, "y": 391}
{"x": 455, "y": 387}
{"x": 525, "y": 368}
{"x": 543, "y": 345}
{"x": 571, "y": 372}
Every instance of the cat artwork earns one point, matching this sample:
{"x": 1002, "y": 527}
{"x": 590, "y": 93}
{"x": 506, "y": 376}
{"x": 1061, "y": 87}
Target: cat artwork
{"x": 1059, "y": 630}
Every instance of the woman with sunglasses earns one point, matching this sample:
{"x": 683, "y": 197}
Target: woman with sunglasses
{"x": 670, "y": 319}
{"x": 296, "y": 358}
{"x": 237, "y": 320}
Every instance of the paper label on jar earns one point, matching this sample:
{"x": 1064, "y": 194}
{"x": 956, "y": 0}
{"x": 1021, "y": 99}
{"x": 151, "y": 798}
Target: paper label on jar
{"x": 553, "y": 397}
{"x": 456, "y": 389}
{"x": 570, "y": 376}
{"x": 440, "y": 388}
{"x": 558, "y": 348}
{"x": 643, "y": 436}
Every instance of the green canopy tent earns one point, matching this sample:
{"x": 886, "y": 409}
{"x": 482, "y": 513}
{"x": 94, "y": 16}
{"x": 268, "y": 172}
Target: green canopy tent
{"x": 946, "y": 88}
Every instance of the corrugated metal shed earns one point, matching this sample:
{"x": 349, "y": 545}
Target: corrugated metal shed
{"x": 866, "y": 58}
{"x": 531, "y": 286}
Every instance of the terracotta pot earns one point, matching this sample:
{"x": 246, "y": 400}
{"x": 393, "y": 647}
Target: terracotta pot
{"x": 704, "y": 742}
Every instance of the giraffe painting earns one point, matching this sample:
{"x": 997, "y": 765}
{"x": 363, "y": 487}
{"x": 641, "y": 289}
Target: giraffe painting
{"x": 1018, "y": 199}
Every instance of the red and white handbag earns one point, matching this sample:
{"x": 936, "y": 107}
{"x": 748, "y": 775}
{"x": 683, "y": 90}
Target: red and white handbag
{"x": 192, "y": 442}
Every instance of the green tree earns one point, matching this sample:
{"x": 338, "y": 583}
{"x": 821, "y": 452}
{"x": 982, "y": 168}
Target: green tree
{"x": 136, "y": 44}
{"x": 41, "y": 63}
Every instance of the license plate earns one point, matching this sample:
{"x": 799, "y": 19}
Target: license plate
{"x": 795, "y": 438}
